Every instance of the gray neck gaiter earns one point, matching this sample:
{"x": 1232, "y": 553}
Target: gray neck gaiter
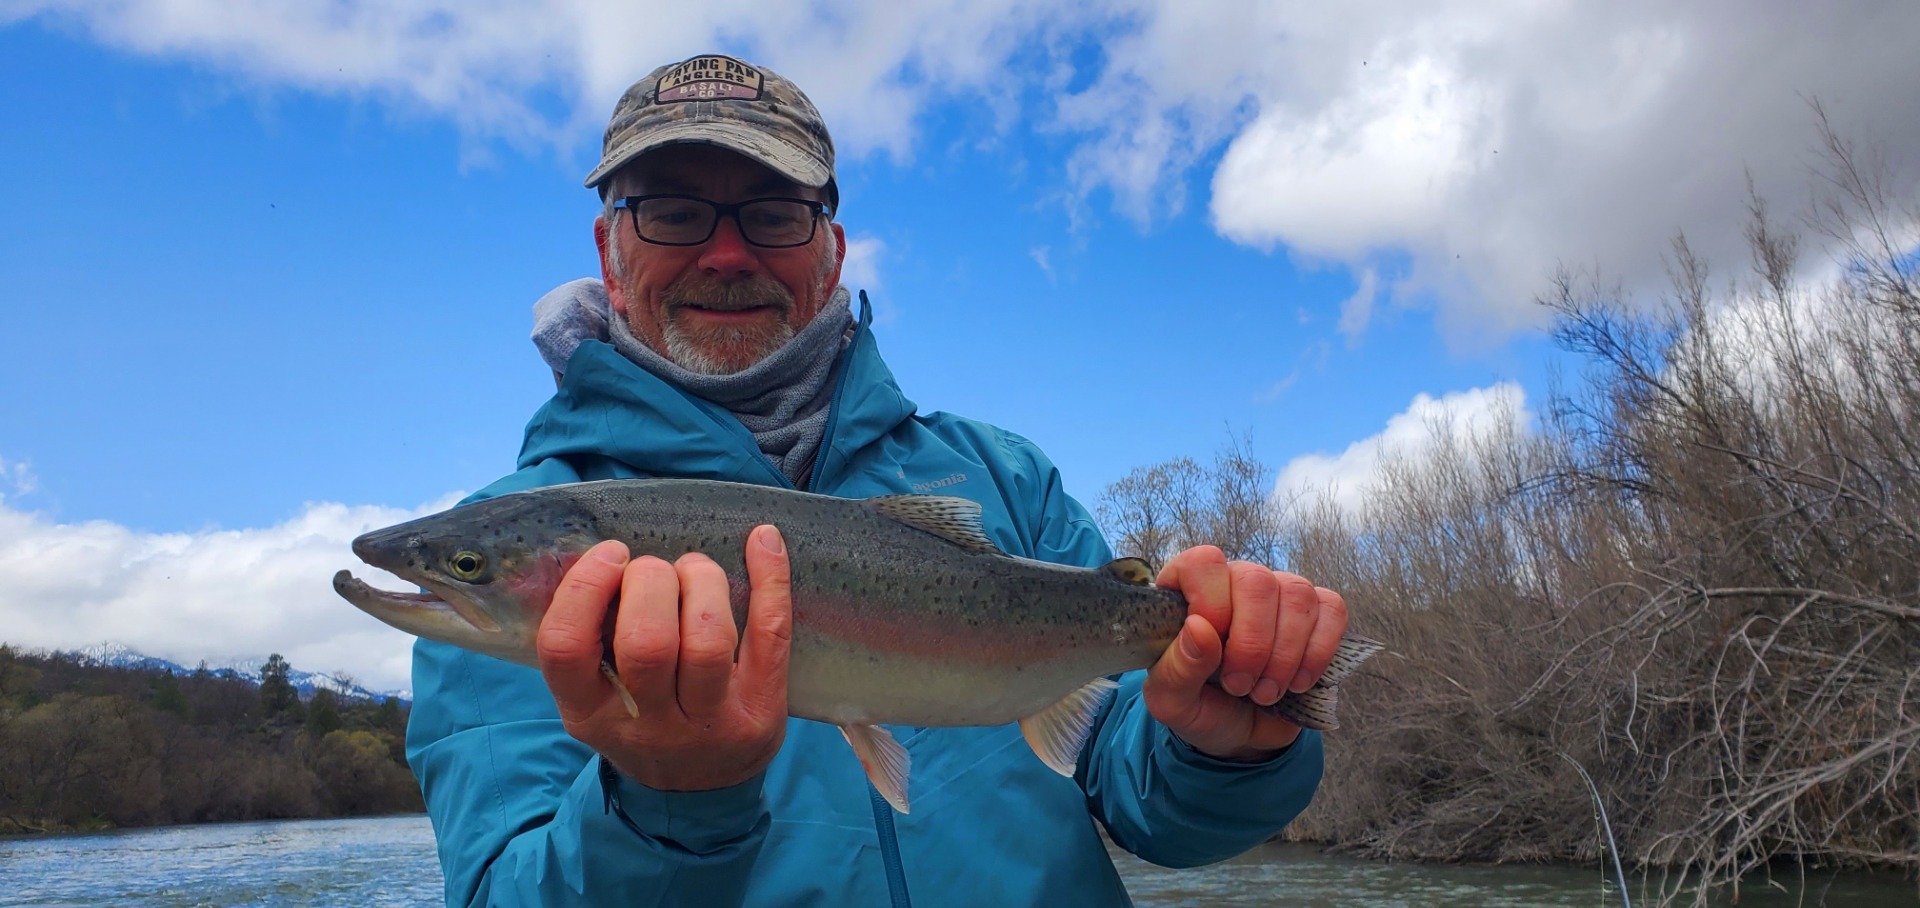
{"x": 782, "y": 400}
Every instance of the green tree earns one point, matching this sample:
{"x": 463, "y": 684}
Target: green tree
{"x": 167, "y": 695}
{"x": 390, "y": 718}
{"x": 323, "y": 713}
{"x": 276, "y": 691}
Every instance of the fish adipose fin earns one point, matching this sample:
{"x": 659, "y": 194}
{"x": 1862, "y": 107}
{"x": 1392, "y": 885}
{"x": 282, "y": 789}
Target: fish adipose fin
{"x": 883, "y": 758}
{"x": 1314, "y": 707}
{"x": 1132, "y": 570}
{"x": 957, "y": 520}
{"x": 1058, "y": 733}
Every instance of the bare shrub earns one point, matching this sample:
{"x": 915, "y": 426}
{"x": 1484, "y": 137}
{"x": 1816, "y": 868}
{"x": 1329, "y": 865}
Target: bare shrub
{"x": 1764, "y": 641}
{"x": 1699, "y": 577}
{"x": 1157, "y": 511}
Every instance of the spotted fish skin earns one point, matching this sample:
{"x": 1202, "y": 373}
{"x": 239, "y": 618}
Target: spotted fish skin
{"x": 904, "y": 612}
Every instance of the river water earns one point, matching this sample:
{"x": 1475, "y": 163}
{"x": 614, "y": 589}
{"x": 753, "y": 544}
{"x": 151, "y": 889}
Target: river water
{"x": 389, "y": 861}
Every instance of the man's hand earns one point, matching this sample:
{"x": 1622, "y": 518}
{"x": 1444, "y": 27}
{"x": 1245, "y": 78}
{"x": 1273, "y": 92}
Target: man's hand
{"x": 1280, "y": 632}
{"x": 705, "y": 721}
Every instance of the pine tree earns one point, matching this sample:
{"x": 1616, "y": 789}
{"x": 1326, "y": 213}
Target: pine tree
{"x": 167, "y": 695}
{"x": 276, "y": 691}
{"x": 323, "y": 713}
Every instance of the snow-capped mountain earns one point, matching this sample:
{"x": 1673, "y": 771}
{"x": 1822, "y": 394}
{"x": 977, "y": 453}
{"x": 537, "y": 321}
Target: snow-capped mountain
{"x": 122, "y": 656}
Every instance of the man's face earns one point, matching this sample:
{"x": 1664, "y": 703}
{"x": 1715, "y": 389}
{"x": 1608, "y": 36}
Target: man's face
{"x": 723, "y": 305}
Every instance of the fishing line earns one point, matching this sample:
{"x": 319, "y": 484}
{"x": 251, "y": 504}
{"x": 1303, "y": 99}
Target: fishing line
{"x": 1613, "y": 850}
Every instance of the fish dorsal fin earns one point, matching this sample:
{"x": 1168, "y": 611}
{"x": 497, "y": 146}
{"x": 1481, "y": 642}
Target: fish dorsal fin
{"x": 883, "y": 758}
{"x": 957, "y": 520}
{"x": 1059, "y": 732}
{"x": 1132, "y": 570}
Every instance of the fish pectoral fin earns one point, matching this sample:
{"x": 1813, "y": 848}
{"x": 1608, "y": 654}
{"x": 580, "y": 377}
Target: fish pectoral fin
{"x": 620, "y": 687}
{"x": 1312, "y": 708}
{"x": 1132, "y": 570}
{"x": 885, "y": 761}
{"x": 957, "y": 520}
{"x": 1058, "y": 733}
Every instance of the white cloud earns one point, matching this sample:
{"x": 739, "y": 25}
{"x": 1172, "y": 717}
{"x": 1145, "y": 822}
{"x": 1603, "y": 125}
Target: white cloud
{"x": 1357, "y": 310}
{"x": 17, "y": 478}
{"x": 211, "y": 594}
{"x": 861, "y": 269}
{"x": 548, "y": 72}
{"x": 1042, "y": 256}
{"x": 1278, "y": 389}
{"x": 1482, "y": 144}
{"x": 1347, "y": 478}
{"x": 1461, "y": 149}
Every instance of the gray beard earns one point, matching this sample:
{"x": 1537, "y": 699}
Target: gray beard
{"x": 690, "y": 352}
{"x": 782, "y": 398}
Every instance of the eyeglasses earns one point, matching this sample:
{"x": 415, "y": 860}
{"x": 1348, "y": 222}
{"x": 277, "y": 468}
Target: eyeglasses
{"x": 684, "y": 220}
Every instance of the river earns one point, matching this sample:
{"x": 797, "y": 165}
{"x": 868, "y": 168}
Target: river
{"x": 389, "y": 861}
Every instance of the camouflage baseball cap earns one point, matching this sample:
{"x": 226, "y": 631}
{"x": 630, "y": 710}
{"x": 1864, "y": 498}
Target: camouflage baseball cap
{"x": 718, "y": 100}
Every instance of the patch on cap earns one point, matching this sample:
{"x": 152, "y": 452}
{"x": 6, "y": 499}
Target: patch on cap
{"x": 711, "y": 78}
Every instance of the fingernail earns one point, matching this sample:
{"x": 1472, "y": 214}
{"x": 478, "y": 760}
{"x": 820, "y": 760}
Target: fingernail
{"x": 771, "y": 541}
{"x": 1267, "y": 692}
{"x": 1188, "y": 647}
{"x": 610, "y": 552}
{"x": 1237, "y": 683}
{"x": 1301, "y": 681}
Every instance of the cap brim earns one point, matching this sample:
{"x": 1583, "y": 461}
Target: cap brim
{"x": 782, "y": 157}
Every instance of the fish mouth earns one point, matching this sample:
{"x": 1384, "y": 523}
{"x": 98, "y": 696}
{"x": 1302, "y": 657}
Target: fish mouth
{"x": 396, "y": 607}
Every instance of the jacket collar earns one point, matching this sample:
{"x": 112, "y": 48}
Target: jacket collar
{"x": 607, "y": 406}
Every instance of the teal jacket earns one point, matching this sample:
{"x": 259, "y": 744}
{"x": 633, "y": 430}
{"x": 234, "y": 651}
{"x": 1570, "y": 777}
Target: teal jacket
{"x": 522, "y": 815}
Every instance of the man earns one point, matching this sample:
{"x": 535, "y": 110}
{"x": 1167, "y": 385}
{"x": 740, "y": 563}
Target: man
{"x": 731, "y": 352}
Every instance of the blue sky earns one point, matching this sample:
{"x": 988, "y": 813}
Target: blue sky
{"x": 237, "y": 300}
{"x": 239, "y": 288}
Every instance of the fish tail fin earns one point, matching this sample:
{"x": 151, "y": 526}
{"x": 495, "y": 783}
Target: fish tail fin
{"x": 1353, "y": 650}
{"x": 1315, "y": 707}
{"x": 1312, "y": 708}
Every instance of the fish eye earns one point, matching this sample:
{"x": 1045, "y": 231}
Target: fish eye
{"x": 467, "y": 565}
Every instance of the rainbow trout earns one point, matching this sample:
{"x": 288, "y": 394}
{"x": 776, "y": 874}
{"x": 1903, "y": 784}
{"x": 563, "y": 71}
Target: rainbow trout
{"x": 904, "y": 612}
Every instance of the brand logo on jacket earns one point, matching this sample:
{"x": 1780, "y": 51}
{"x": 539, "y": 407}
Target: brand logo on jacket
{"x": 925, "y": 487}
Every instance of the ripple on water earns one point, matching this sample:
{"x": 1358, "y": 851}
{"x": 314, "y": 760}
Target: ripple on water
{"x": 389, "y": 861}
{"x": 378, "y": 861}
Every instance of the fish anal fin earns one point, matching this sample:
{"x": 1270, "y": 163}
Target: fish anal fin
{"x": 957, "y": 520}
{"x": 1058, "y": 733}
{"x": 885, "y": 761}
{"x": 1132, "y": 570}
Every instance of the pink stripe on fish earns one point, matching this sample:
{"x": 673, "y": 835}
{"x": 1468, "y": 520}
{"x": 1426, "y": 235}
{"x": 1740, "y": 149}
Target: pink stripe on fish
{"x": 923, "y": 635}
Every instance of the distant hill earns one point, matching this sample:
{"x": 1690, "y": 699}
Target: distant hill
{"x": 109, "y": 737}
{"x": 117, "y": 655}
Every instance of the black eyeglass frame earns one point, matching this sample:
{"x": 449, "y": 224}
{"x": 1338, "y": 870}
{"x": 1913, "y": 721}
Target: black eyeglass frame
{"x": 725, "y": 210}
